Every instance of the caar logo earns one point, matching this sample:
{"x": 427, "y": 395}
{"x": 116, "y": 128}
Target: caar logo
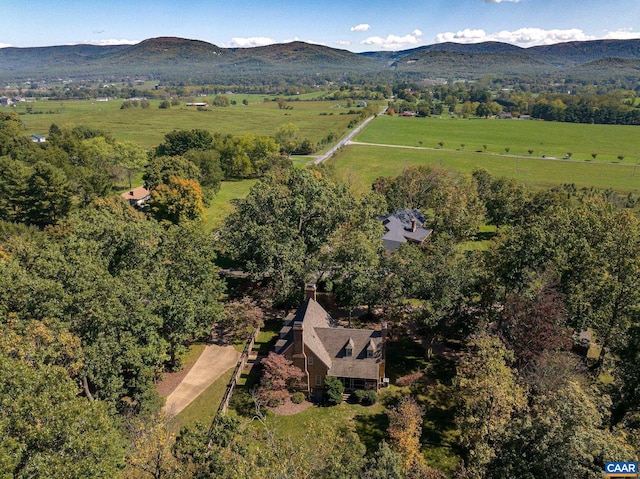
{"x": 621, "y": 469}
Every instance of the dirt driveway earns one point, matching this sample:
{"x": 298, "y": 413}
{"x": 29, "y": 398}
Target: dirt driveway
{"x": 212, "y": 363}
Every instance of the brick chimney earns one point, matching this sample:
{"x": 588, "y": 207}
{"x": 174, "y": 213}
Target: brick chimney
{"x": 414, "y": 225}
{"x": 310, "y": 291}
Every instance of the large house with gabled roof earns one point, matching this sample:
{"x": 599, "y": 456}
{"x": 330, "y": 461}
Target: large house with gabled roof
{"x": 313, "y": 341}
{"x": 404, "y": 226}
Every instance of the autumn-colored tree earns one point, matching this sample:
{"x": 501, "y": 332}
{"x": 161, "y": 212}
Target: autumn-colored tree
{"x": 278, "y": 376}
{"x": 531, "y": 326}
{"x": 152, "y": 450}
{"x": 405, "y": 428}
{"x": 177, "y": 201}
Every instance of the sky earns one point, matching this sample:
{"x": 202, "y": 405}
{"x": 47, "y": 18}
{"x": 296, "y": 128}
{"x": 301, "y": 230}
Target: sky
{"x": 355, "y": 25}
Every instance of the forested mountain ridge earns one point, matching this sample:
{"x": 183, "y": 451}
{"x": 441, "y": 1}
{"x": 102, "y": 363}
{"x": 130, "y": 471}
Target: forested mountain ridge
{"x": 170, "y": 58}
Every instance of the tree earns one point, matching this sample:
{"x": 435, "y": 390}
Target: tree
{"x": 161, "y": 168}
{"x": 404, "y": 431}
{"x": 178, "y": 142}
{"x": 129, "y": 156}
{"x": 189, "y": 290}
{"x": 333, "y": 390}
{"x": 353, "y": 259}
{"x": 47, "y": 195}
{"x": 177, "y": 201}
{"x": 537, "y": 445}
{"x": 487, "y": 398}
{"x": 384, "y": 464}
{"x": 287, "y": 137}
{"x": 532, "y": 326}
{"x": 49, "y": 432}
{"x": 279, "y": 376}
{"x": 243, "y": 316}
{"x": 308, "y": 208}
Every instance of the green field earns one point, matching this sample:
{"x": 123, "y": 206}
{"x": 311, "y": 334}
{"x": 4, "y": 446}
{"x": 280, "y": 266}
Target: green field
{"x": 552, "y": 139}
{"x": 147, "y": 127}
{"x": 221, "y": 205}
{"x": 360, "y": 165}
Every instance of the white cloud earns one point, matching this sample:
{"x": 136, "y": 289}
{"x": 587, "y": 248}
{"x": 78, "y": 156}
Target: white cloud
{"x": 363, "y": 27}
{"x": 625, "y": 34}
{"x": 500, "y": 1}
{"x": 395, "y": 42}
{"x": 343, "y": 43}
{"x": 5, "y": 45}
{"x": 247, "y": 42}
{"x": 108, "y": 41}
{"x": 523, "y": 37}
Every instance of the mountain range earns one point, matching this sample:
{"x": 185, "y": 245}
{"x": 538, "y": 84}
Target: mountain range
{"x": 178, "y": 59}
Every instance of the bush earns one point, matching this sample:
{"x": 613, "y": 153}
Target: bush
{"x": 370, "y": 398}
{"x": 365, "y": 397}
{"x": 358, "y": 396}
{"x": 297, "y": 398}
{"x": 334, "y": 389}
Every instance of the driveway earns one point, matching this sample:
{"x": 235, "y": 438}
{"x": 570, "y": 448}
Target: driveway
{"x": 212, "y": 363}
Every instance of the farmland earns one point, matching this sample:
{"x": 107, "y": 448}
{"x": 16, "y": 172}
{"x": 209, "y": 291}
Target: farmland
{"x": 551, "y": 139}
{"x": 146, "y": 127}
{"x": 395, "y": 143}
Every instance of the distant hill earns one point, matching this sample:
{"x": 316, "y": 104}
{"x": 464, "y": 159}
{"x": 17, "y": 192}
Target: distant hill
{"x": 170, "y": 58}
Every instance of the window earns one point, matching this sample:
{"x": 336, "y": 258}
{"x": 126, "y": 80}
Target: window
{"x": 318, "y": 380}
{"x": 310, "y": 361}
{"x": 348, "y": 352}
{"x": 369, "y": 353}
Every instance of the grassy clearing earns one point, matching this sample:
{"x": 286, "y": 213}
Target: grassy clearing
{"x": 552, "y": 139}
{"x": 360, "y": 165}
{"x": 222, "y": 205}
{"x": 147, "y": 127}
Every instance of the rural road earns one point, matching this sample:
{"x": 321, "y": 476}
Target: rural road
{"x": 212, "y": 363}
{"x": 344, "y": 141}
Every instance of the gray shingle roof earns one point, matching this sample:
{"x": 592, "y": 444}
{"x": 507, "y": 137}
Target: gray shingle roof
{"x": 400, "y": 230}
{"x": 328, "y": 342}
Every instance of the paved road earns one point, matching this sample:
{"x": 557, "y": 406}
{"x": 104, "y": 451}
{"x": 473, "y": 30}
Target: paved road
{"x": 212, "y": 363}
{"x": 344, "y": 141}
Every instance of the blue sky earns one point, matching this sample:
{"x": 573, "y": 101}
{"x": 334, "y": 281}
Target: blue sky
{"x": 355, "y": 25}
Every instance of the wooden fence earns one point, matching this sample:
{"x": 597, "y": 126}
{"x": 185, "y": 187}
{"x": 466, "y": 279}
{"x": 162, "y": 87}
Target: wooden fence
{"x": 224, "y": 404}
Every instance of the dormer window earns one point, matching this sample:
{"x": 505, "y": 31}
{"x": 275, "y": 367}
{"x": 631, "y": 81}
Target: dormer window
{"x": 371, "y": 348}
{"x": 348, "y": 348}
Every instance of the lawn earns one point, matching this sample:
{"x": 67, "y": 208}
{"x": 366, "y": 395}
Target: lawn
{"x": 552, "y": 139}
{"x": 222, "y": 205}
{"x": 147, "y": 127}
{"x": 361, "y": 165}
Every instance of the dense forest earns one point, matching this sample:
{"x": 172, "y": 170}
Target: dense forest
{"x": 99, "y": 299}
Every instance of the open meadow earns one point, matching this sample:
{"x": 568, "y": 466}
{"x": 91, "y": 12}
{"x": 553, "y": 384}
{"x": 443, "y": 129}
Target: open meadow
{"x": 550, "y": 139}
{"x": 360, "y": 165}
{"x": 147, "y": 127}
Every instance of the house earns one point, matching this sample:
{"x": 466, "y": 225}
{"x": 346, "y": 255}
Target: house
{"x": 5, "y": 101}
{"x": 137, "y": 197}
{"x": 38, "y": 138}
{"x": 314, "y": 343}
{"x": 404, "y": 226}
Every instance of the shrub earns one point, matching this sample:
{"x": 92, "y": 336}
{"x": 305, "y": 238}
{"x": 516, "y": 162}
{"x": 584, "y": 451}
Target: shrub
{"x": 297, "y": 397}
{"x": 358, "y": 396}
{"x": 334, "y": 389}
{"x": 369, "y": 398}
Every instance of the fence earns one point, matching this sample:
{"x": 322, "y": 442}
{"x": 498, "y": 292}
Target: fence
{"x": 224, "y": 404}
